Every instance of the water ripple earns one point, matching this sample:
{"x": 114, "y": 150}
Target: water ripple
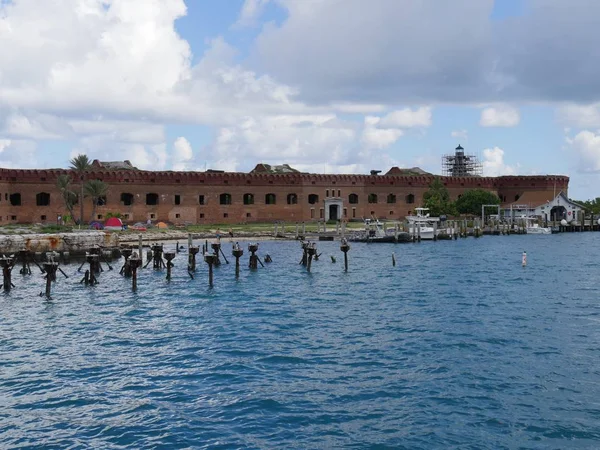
{"x": 457, "y": 346}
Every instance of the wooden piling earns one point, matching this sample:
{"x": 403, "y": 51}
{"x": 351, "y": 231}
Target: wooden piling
{"x": 50, "y": 269}
{"x": 345, "y": 247}
{"x": 237, "y": 252}
{"x": 311, "y": 250}
{"x": 210, "y": 260}
{"x": 169, "y": 256}
{"x": 7, "y": 264}
{"x": 253, "y": 248}
{"x": 24, "y": 256}
{"x": 135, "y": 263}
{"x": 192, "y": 252}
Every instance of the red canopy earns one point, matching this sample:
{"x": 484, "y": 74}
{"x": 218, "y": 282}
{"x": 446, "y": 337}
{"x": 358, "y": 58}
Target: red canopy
{"x": 113, "y": 222}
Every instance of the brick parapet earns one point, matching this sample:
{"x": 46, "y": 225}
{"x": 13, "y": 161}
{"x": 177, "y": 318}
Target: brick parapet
{"x": 189, "y": 185}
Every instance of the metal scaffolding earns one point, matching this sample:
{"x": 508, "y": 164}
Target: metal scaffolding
{"x": 461, "y": 165}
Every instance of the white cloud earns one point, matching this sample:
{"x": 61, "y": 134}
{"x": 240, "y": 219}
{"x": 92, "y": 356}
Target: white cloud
{"x": 500, "y": 116}
{"x": 407, "y": 118}
{"x": 16, "y": 153}
{"x": 378, "y": 138}
{"x": 494, "y": 165}
{"x": 586, "y": 146}
{"x": 310, "y": 139}
{"x": 580, "y": 116}
{"x": 4, "y": 143}
{"x": 358, "y": 108}
{"x": 182, "y": 154}
{"x": 460, "y": 134}
{"x": 395, "y": 51}
{"x": 251, "y": 11}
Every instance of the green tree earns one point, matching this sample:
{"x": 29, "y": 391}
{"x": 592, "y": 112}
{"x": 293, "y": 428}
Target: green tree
{"x": 80, "y": 165}
{"x": 591, "y": 206}
{"x": 97, "y": 190}
{"x": 65, "y": 187}
{"x": 471, "y": 201}
{"x": 437, "y": 199}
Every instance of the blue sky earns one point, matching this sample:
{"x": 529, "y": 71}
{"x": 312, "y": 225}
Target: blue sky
{"x": 323, "y": 85}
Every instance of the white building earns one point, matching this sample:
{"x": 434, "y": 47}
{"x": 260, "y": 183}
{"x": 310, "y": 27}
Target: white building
{"x": 547, "y": 209}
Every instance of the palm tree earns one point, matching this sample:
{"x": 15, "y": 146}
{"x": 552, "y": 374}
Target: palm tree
{"x": 80, "y": 165}
{"x": 63, "y": 183}
{"x": 96, "y": 189}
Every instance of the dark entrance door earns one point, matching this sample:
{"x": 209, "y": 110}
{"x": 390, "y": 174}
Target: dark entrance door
{"x": 558, "y": 213}
{"x": 334, "y": 212}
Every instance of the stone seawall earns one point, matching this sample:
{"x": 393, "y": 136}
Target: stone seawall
{"x": 75, "y": 243}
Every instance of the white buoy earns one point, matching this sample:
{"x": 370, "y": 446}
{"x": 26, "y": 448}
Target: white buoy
{"x": 564, "y": 222}
{"x": 524, "y": 260}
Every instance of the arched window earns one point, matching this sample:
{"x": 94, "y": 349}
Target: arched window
{"x": 225, "y": 199}
{"x": 151, "y": 199}
{"x": 248, "y": 199}
{"x": 410, "y": 198}
{"x": 42, "y": 199}
{"x": 353, "y": 199}
{"x": 15, "y": 199}
{"x": 270, "y": 199}
{"x": 292, "y": 199}
{"x": 391, "y": 198}
{"x": 127, "y": 199}
{"x": 313, "y": 198}
{"x": 372, "y": 198}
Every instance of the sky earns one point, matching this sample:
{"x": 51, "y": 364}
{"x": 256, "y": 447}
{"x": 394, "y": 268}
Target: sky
{"x": 327, "y": 86}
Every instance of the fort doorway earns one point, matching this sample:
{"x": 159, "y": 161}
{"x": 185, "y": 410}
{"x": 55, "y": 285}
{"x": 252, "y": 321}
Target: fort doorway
{"x": 558, "y": 213}
{"x": 334, "y": 212}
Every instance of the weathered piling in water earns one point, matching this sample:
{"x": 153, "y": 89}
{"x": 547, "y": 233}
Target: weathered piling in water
{"x": 155, "y": 256}
{"x": 345, "y": 248}
{"x": 90, "y": 275}
{"x": 24, "y": 257}
{"x": 304, "y": 259}
{"x": 237, "y": 253}
{"x": 210, "y": 260}
{"x": 169, "y": 256}
{"x": 216, "y": 247}
{"x": 135, "y": 262}
{"x": 50, "y": 269}
{"x": 192, "y": 252}
{"x": 126, "y": 251}
{"x": 7, "y": 263}
{"x": 312, "y": 251}
{"x": 140, "y": 247}
{"x": 254, "y": 259}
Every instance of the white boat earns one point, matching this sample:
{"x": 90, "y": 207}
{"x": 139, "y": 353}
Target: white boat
{"x": 375, "y": 232}
{"x": 421, "y": 223}
{"x": 534, "y": 228}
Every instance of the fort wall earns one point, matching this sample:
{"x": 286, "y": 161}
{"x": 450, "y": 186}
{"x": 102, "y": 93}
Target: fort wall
{"x": 31, "y": 196}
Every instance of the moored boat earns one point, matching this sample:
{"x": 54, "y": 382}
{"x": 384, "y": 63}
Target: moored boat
{"x": 375, "y": 232}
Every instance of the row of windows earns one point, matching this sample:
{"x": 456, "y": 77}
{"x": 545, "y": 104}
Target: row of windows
{"x": 270, "y": 199}
{"x": 43, "y": 199}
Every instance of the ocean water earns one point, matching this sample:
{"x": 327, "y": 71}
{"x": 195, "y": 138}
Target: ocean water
{"x": 457, "y": 346}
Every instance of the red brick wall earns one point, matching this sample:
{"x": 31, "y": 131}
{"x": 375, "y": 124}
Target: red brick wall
{"x": 189, "y": 185}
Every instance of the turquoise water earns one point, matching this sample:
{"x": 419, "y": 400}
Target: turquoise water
{"x": 457, "y": 346}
